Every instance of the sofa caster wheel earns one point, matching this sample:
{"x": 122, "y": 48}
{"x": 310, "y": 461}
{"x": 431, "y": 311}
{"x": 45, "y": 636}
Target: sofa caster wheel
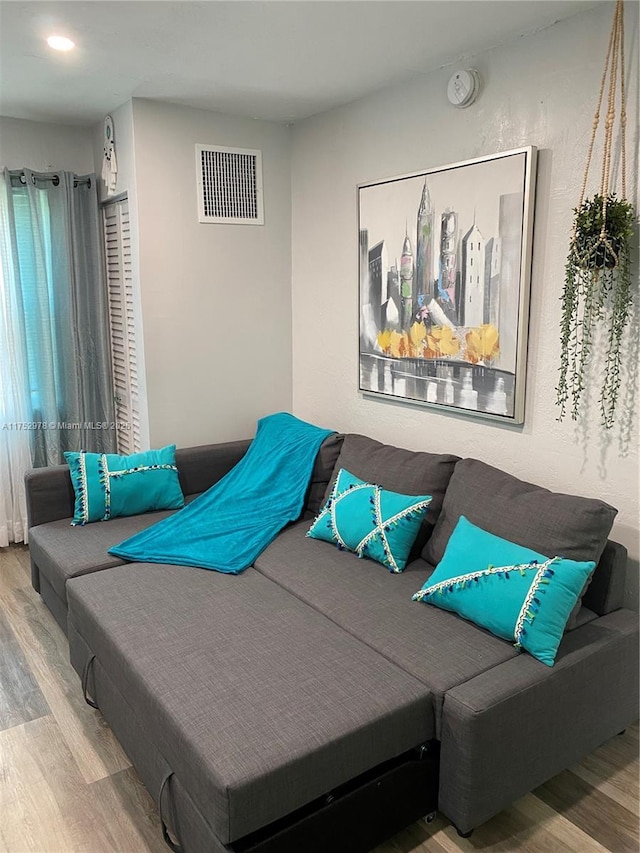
{"x": 464, "y": 834}
{"x": 429, "y": 818}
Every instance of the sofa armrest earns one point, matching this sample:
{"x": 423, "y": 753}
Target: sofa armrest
{"x": 49, "y": 494}
{"x": 517, "y": 725}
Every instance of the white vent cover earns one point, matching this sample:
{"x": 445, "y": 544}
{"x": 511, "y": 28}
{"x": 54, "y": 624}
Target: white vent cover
{"x": 229, "y": 185}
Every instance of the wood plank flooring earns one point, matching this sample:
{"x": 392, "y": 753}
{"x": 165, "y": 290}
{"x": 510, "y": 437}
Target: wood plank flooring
{"x": 66, "y": 785}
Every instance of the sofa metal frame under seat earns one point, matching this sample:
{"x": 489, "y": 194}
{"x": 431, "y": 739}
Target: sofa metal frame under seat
{"x": 357, "y": 816}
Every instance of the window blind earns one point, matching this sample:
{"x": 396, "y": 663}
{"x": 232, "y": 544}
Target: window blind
{"x": 126, "y": 385}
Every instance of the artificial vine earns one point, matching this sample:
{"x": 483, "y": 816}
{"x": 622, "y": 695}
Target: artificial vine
{"x": 597, "y": 284}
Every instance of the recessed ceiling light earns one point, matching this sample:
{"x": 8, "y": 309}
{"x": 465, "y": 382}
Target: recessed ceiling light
{"x": 60, "y": 43}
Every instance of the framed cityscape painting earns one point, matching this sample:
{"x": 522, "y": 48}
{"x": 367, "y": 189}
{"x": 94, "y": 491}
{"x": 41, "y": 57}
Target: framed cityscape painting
{"x": 445, "y": 260}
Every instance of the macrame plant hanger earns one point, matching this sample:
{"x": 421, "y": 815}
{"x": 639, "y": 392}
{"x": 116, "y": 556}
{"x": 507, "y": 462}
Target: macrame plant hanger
{"x": 614, "y": 63}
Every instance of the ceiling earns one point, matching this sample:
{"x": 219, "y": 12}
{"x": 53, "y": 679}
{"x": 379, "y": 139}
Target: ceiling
{"x": 281, "y": 60}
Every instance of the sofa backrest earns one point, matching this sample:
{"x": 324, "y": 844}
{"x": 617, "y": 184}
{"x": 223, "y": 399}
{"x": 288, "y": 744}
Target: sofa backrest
{"x": 50, "y": 497}
{"x": 551, "y": 523}
{"x": 322, "y": 472}
{"x": 200, "y": 467}
{"x": 50, "y": 494}
{"x": 398, "y": 470}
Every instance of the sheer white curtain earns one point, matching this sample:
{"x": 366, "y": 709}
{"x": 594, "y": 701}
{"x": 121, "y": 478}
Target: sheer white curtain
{"x": 15, "y": 404}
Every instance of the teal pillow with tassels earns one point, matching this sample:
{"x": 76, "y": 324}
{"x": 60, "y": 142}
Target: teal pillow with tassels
{"x": 107, "y": 485}
{"x": 514, "y": 592}
{"x": 370, "y": 521}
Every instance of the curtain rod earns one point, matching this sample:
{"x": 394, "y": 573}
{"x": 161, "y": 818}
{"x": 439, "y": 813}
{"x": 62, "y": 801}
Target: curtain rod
{"x": 47, "y": 176}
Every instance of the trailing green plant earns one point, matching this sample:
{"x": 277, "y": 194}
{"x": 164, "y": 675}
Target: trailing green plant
{"x": 600, "y": 229}
{"x": 597, "y": 283}
{"x": 597, "y": 290}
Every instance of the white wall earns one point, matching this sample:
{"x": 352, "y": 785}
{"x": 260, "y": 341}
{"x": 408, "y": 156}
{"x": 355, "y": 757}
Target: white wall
{"x": 45, "y": 147}
{"x": 216, "y": 299}
{"x": 540, "y": 90}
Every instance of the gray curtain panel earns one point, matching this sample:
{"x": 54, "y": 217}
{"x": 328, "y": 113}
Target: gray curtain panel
{"x": 55, "y": 225}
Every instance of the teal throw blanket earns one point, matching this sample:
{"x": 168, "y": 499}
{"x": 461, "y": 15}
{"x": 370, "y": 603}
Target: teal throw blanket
{"x": 229, "y": 525}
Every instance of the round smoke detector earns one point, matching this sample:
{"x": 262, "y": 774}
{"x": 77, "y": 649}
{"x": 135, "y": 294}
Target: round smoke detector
{"x": 463, "y": 88}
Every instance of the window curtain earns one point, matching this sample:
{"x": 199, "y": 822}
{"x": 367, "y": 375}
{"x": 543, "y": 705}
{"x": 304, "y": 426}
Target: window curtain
{"x": 57, "y": 392}
{"x": 15, "y": 448}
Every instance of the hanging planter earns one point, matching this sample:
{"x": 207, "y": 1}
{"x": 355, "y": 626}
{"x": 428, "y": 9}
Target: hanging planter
{"x": 597, "y": 287}
{"x": 603, "y": 232}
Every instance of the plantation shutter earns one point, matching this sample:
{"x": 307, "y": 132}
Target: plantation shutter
{"x": 117, "y": 240}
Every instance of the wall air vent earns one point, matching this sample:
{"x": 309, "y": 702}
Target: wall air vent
{"x": 229, "y": 185}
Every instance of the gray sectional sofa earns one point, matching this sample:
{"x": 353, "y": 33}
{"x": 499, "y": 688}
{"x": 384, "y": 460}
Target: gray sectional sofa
{"x": 308, "y": 704}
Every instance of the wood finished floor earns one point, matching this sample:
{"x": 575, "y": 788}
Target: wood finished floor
{"x": 66, "y": 785}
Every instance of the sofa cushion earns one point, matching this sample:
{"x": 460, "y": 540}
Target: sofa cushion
{"x": 514, "y": 592}
{"x": 107, "y": 485}
{"x": 551, "y": 523}
{"x": 370, "y": 521}
{"x": 438, "y": 648}
{"x": 406, "y": 471}
{"x": 62, "y": 551}
{"x": 258, "y": 703}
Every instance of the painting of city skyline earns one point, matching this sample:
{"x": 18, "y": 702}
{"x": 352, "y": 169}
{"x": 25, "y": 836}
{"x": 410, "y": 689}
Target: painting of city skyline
{"x": 444, "y": 268}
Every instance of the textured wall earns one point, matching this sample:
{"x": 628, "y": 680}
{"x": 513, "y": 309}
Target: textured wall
{"x": 45, "y": 147}
{"x": 539, "y": 90}
{"x": 216, "y": 299}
